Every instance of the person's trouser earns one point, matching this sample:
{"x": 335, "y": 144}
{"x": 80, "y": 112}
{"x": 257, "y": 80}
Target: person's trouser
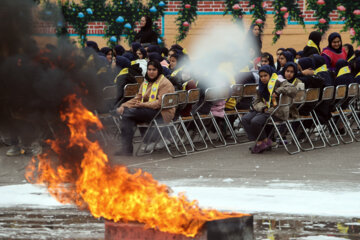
{"x": 130, "y": 118}
{"x": 253, "y": 123}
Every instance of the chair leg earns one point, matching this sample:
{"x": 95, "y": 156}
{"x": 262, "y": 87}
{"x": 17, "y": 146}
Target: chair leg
{"x": 181, "y": 126}
{"x": 319, "y": 128}
{"x": 231, "y": 129}
{"x": 346, "y": 127}
{"x": 158, "y": 128}
{"x": 207, "y": 133}
{"x": 198, "y": 131}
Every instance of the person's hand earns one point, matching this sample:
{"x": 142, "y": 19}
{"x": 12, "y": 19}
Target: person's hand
{"x": 120, "y": 110}
{"x": 274, "y": 95}
{"x": 308, "y": 72}
{"x": 139, "y": 104}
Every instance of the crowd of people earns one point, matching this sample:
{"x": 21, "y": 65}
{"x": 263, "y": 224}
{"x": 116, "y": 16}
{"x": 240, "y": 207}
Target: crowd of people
{"x": 164, "y": 72}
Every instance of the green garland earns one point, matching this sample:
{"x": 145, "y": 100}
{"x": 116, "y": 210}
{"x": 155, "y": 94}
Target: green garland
{"x": 258, "y": 13}
{"x": 233, "y": 7}
{"x": 352, "y": 22}
{"x": 282, "y": 9}
{"x": 187, "y": 16}
{"x": 322, "y": 12}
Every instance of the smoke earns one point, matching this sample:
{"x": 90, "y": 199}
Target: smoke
{"x": 35, "y": 81}
{"x": 220, "y": 54}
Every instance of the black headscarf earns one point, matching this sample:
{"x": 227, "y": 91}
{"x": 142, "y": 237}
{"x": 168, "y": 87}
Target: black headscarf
{"x": 277, "y": 60}
{"x": 301, "y": 53}
{"x": 292, "y": 51}
{"x": 295, "y": 70}
{"x": 154, "y": 48}
{"x": 143, "y": 52}
{"x": 146, "y": 34}
{"x": 306, "y": 63}
{"x": 331, "y": 38}
{"x": 130, "y": 56}
{"x": 357, "y": 66}
{"x": 122, "y": 62}
{"x": 105, "y": 50}
{"x": 119, "y": 50}
{"x": 345, "y": 79}
{"x": 154, "y": 56}
{"x": 318, "y": 62}
{"x": 350, "y": 52}
{"x": 93, "y": 45}
{"x": 269, "y": 57}
{"x": 288, "y": 55}
{"x": 315, "y": 36}
{"x": 263, "y": 90}
{"x": 157, "y": 65}
{"x": 135, "y": 46}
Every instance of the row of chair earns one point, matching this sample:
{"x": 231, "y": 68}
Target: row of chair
{"x": 186, "y": 134}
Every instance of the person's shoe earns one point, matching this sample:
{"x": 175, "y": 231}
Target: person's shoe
{"x": 14, "y": 151}
{"x": 160, "y": 145}
{"x": 259, "y": 148}
{"x": 269, "y": 144}
{"x": 148, "y": 147}
{"x": 240, "y": 131}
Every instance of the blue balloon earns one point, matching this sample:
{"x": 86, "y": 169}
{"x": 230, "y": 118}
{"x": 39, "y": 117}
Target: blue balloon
{"x": 120, "y": 19}
{"x": 74, "y": 9}
{"x": 159, "y": 41}
{"x": 80, "y": 15}
{"x": 161, "y": 4}
{"x": 113, "y": 39}
{"x": 89, "y": 11}
{"x": 153, "y": 9}
{"x": 127, "y": 25}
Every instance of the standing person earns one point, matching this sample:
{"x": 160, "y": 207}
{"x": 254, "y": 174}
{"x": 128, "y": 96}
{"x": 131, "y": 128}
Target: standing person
{"x": 313, "y": 44}
{"x": 145, "y": 105}
{"x": 146, "y": 35}
{"x": 254, "y": 36}
{"x": 334, "y": 51}
{"x": 269, "y": 90}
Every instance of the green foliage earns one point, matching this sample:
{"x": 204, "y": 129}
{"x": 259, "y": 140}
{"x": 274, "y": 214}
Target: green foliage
{"x": 351, "y": 20}
{"x": 280, "y": 18}
{"x": 258, "y": 12}
{"x": 231, "y": 8}
{"x": 322, "y": 11}
{"x": 79, "y": 15}
{"x": 185, "y": 15}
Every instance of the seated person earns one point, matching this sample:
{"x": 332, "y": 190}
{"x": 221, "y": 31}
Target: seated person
{"x": 145, "y": 105}
{"x": 264, "y": 104}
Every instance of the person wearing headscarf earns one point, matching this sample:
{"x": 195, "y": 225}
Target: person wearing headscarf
{"x": 267, "y": 59}
{"x": 142, "y": 55}
{"x": 145, "y": 105}
{"x": 154, "y": 48}
{"x": 343, "y": 73}
{"x": 129, "y": 55}
{"x": 135, "y": 46}
{"x": 156, "y": 56}
{"x": 93, "y": 45}
{"x": 254, "y": 35}
{"x": 313, "y": 44}
{"x": 146, "y": 35}
{"x": 108, "y": 53}
{"x": 126, "y": 76}
{"x": 292, "y": 51}
{"x": 356, "y": 71}
{"x": 299, "y": 55}
{"x": 334, "y": 51}
{"x": 321, "y": 70}
{"x": 119, "y": 50}
{"x": 284, "y": 58}
{"x": 306, "y": 73}
{"x": 265, "y": 102}
{"x": 289, "y": 72}
{"x": 349, "y": 49}
{"x": 278, "y": 52}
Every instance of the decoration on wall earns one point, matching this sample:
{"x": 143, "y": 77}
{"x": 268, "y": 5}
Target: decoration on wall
{"x": 322, "y": 9}
{"x": 350, "y": 10}
{"x": 159, "y": 6}
{"x": 283, "y": 10}
{"x": 233, "y": 7}
{"x": 187, "y": 16}
{"x": 258, "y": 12}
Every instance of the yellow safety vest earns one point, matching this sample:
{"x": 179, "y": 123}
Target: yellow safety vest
{"x": 293, "y": 83}
{"x": 323, "y": 68}
{"x": 154, "y": 89}
{"x": 271, "y": 86}
{"x": 122, "y": 72}
{"x": 311, "y": 43}
{"x": 343, "y": 70}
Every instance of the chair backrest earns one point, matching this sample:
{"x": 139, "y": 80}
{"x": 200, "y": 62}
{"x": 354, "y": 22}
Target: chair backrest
{"x": 130, "y": 90}
{"x": 109, "y": 92}
{"x": 182, "y": 97}
{"x": 250, "y": 90}
{"x": 237, "y": 90}
{"x": 139, "y": 79}
{"x": 169, "y": 100}
{"x": 300, "y": 97}
{"x": 328, "y": 93}
{"x": 340, "y": 92}
{"x": 353, "y": 90}
{"x": 193, "y": 96}
{"x": 312, "y": 95}
{"x": 284, "y": 100}
{"x": 215, "y": 94}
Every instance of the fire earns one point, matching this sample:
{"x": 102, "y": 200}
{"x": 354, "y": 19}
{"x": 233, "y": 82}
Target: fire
{"x": 112, "y": 192}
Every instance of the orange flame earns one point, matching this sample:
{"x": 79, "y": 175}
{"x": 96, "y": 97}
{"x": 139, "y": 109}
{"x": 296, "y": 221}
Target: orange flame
{"x": 113, "y": 192}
